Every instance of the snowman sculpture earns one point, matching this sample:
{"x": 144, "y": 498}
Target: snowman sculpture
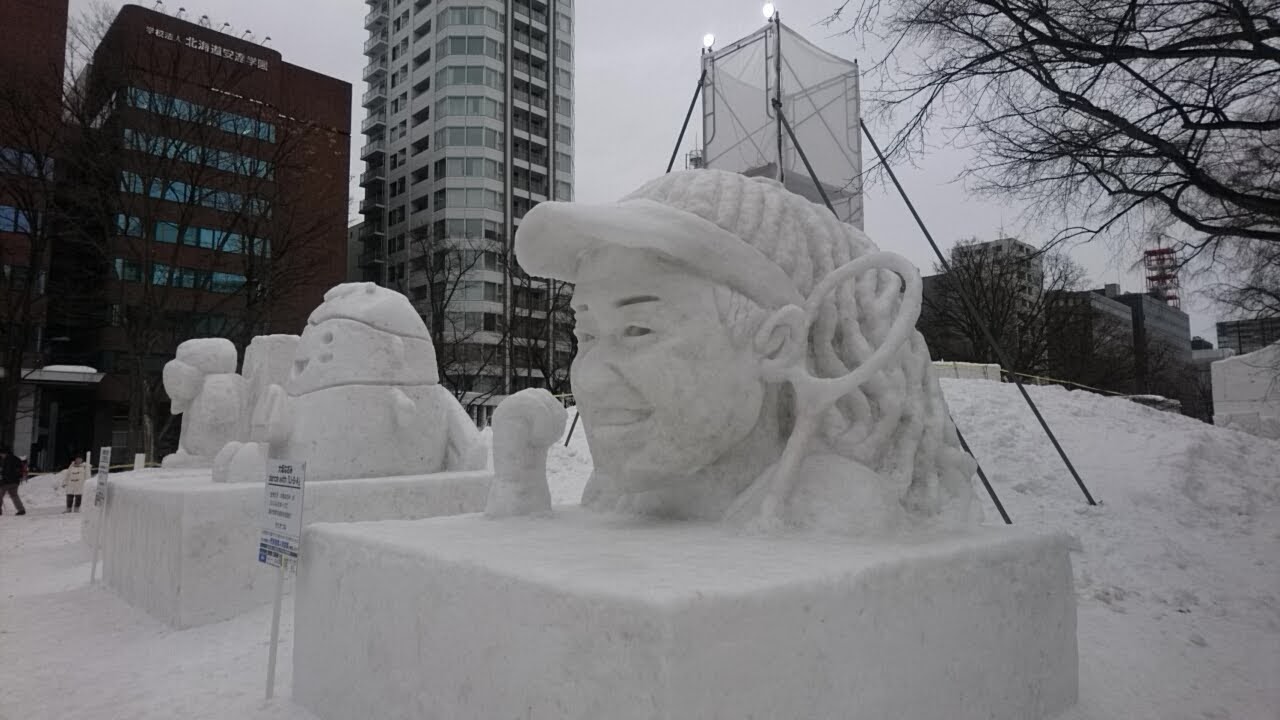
{"x": 363, "y": 398}
{"x": 203, "y": 387}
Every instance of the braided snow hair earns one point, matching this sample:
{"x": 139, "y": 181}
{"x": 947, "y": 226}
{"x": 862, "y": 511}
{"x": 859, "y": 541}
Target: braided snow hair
{"x": 897, "y": 423}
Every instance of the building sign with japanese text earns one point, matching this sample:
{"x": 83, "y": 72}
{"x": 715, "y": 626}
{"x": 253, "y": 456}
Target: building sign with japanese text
{"x": 211, "y": 48}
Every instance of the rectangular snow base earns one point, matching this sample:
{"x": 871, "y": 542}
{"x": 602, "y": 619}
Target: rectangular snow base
{"x": 585, "y": 616}
{"x": 185, "y": 549}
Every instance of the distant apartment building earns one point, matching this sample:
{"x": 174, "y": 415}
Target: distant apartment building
{"x": 206, "y": 196}
{"x": 468, "y": 125}
{"x": 1005, "y": 279}
{"x": 1092, "y": 342}
{"x": 1162, "y": 343}
{"x": 32, "y": 54}
{"x": 1246, "y": 336}
{"x": 354, "y": 245}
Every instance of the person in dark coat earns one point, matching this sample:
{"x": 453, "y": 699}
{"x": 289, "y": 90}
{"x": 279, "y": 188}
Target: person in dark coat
{"x": 10, "y": 476}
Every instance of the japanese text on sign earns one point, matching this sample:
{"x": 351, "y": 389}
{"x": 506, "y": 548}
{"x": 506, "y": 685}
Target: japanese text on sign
{"x": 282, "y": 514}
{"x": 205, "y": 46}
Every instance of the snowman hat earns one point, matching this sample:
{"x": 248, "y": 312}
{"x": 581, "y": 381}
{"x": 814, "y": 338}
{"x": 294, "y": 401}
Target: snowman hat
{"x": 378, "y": 307}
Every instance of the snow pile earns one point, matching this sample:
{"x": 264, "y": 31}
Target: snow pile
{"x": 1177, "y": 577}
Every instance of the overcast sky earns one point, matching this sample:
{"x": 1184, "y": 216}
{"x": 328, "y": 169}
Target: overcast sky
{"x": 636, "y": 65}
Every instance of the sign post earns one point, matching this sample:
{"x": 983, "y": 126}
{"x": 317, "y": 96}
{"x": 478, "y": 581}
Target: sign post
{"x": 281, "y": 539}
{"x": 100, "y": 500}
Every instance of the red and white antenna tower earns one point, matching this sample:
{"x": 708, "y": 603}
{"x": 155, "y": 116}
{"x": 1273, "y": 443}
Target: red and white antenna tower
{"x": 1162, "y": 267}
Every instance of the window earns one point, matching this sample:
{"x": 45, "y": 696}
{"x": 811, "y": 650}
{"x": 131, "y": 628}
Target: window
{"x": 564, "y": 78}
{"x": 470, "y": 75}
{"x": 221, "y": 282}
{"x": 563, "y": 133}
{"x": 128, "y": 270}
{"x": 564, "y": 51}
{"x": 470, "y": 106}
{"x": 564, "y": 191}
{"x": 16, "y": 162}
{"x": 469, "y": 137}
{"x": 184, "y": 110}
{"x": 564, "y": 106}
{"x": 470, "y": 45}
{"x": 14, "y": 220}
{"x": 471, "y": 16}
{"x": 564, "y": 162}
{"x": 180, "y": 192}
{"x": 129, "y": 225}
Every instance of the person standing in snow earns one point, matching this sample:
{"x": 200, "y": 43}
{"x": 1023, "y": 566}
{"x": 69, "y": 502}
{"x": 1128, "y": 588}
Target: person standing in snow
{"x": 10, "y": 476}
{"x": 77, "y": 473}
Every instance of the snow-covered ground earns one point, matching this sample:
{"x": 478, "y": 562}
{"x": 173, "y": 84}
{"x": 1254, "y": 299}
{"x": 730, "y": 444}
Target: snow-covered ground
{"x": 1177, "y": 576}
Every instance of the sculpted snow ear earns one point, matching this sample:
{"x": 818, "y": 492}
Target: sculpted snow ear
{"x": 782, "y": 341}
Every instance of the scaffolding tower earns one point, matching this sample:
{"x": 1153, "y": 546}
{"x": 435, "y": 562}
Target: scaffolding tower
{"x": 1162, "y": 266}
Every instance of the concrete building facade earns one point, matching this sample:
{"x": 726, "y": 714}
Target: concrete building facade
{"x": 469, "y": 124}
{"x": 206, "y": 197}
{"x": 1246, "y": 336}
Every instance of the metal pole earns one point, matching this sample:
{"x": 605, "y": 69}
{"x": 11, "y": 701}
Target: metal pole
{"x": 275, "y": 633}
{"x": 973, "y": 312}
{"x": 827, "y": 201}
{"x": 572, "y": 425}
{"x": 692, "y": 103}
{"x": 782, "y": 121}
{"x": 983, "y": 476}
{"x": 777, "y": 90}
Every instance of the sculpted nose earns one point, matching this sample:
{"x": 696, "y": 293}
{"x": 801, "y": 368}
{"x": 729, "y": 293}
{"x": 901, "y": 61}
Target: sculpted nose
{"x": 593, "y": 373}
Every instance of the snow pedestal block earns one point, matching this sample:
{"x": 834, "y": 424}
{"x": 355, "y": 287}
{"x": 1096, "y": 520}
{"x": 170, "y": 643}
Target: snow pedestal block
{"x": 587, "y": 616}
{"x": 185, "y": 550}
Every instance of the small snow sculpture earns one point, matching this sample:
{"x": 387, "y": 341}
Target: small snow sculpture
{"x": 524, "y": 427}
{"x": 743, "y": 356}
{"x": 363, "y": 397}
{"x": 203, "y": 387}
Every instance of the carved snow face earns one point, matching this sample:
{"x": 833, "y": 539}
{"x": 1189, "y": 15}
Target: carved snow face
{"x": 339, "y": 351}
{"x": 661, "y": 388}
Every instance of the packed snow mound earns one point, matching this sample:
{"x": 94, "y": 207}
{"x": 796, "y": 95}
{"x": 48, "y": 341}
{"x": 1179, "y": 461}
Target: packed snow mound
{"x": 1178, "y": 570}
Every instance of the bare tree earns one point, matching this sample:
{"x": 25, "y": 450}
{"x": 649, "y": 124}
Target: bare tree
{"x": 1011, "y": 293}
{"x": 1247, "y": 285}
{"x": 1142, "y": 109}
{"x": 541, "y": 335}
{"x": 30, "y": 138}
{"x": 461, "y": 309}
{"x": 180, "y": 216}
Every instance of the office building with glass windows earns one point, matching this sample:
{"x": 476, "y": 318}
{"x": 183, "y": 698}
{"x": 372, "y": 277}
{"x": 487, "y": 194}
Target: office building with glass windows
{"x": 468, "y": 125}
{"x": 207, "y": 196}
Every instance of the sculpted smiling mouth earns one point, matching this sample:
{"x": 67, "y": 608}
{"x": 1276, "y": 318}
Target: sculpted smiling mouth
{"x": 617, "y": 416}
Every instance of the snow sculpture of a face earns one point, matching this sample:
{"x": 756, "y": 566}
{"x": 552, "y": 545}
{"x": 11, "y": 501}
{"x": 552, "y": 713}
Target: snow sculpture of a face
{"x": 662, "y": 387}
{"x": 362, "y": 334}
{"x": 744, "y": 356}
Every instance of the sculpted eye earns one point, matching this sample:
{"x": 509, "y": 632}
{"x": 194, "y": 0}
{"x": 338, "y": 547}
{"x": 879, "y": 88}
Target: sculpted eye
{"x": 635, "y": 331}
{"x": 586, "y": 337}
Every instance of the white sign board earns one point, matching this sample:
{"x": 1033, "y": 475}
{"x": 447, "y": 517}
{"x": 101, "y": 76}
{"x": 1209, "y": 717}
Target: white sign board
{"x": 282, "y": 514}
{"x": 104, "y": 468}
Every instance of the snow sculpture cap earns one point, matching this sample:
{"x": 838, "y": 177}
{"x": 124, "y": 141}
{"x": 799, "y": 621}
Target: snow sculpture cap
{"x": 373, "y": 305}
{"x": 553, "y": 237}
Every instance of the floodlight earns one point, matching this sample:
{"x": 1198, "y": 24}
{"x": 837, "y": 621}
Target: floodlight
{"x": 708, "y": 40}
{"x": 768, "y": 11}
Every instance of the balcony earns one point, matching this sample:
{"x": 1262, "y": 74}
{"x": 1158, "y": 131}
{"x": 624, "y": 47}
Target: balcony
{"x": 373, "y": 150}
{"x": 377, "y": 43}
{"x": 373, "y": 256}
{"x": 377, "y": 18}
{"x": 375, "y": 123}
{"x": 373, "y": 204}
{"x": 373, "y": 176}
{"x": 374, "y": 96}
{"x": 376, "y": 69}
{"x": 527, "y": 99}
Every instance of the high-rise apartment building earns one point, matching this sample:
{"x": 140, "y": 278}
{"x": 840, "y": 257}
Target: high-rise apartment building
{"x": 469, "y": 124}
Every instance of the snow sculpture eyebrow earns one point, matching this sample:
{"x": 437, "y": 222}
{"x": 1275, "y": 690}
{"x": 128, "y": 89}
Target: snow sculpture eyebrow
{"x": 636, "y": 300}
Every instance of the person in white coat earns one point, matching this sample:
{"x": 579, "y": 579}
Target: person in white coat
{"x": 77, "y": 473}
